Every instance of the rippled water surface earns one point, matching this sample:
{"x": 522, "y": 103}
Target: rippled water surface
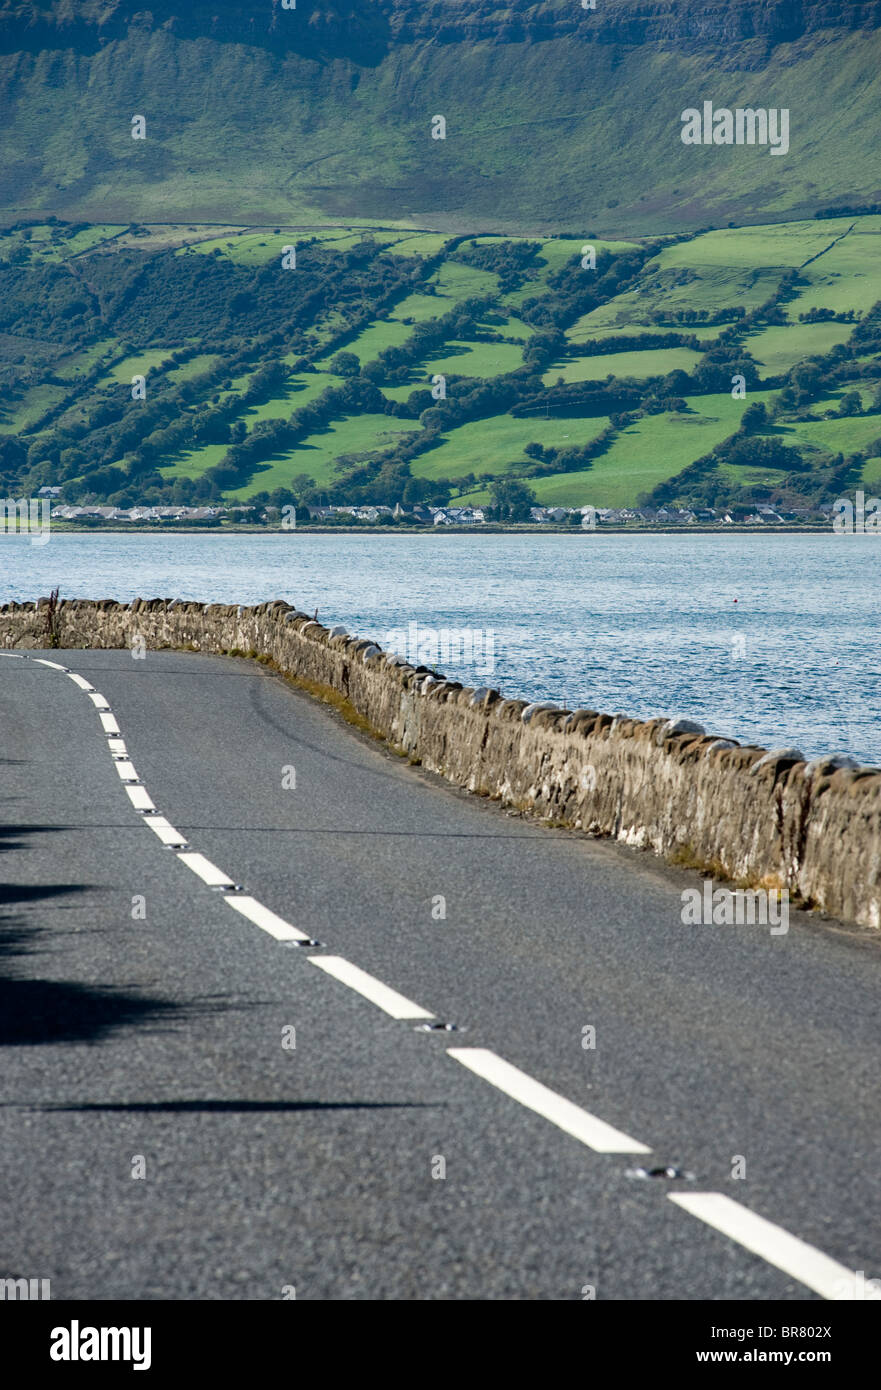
{"x": 771, "y": 639}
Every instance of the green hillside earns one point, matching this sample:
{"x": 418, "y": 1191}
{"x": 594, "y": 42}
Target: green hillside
{"x": 401, "y": 368}
{"x": 557, "y": 118}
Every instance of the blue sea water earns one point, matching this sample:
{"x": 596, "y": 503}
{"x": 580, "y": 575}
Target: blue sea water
{"x": 769, "y": 639}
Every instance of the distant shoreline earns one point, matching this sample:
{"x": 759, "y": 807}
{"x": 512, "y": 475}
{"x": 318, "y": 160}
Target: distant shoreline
{"x": 64, "y": 528}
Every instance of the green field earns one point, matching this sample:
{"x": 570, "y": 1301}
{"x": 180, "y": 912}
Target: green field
{"x": 872, "y": 473}
{"x": 245, "y": 248}
{"x": 848, "y": 275}
{"x": 715, "y": 271}
{"x": 581, "y": 331}
{"x": 418, "y": 244}
{"x": 653, "y": 362}
{"x": 301, "y": 390}
{"x": 205, "y": 362}
{"x": 317, "y": 454}
{"x": 19, "y": 415}
{"x": 765, "y": 477}
{"x": 645, "y": 454}
{"x": 491, "y": 446}
{"x": 846, "y": 436}
{"x": 780, "y": 346}
{"x": 45, "y": 243}
{"x": 193, "y": 462}
{"x": 140, "y": 364}
{"x": 78, "y": 364}
{"x": 374, "y": 339}
{"x": 475, "y": 359}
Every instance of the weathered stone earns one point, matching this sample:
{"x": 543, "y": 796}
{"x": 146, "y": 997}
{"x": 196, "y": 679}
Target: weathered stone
{"x": 538, "y": 708}
{"x": 762, "y": 818}
{"x": 777, "y": 759}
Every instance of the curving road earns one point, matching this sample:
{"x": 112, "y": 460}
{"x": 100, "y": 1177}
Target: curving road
{"x": 166, "y": 1134}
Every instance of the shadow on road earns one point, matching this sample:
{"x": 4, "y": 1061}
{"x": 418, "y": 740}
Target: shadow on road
{"x": 10, "y": 835}
{"x": 243, "y": 1107}
{"x": 35, "y": 1011}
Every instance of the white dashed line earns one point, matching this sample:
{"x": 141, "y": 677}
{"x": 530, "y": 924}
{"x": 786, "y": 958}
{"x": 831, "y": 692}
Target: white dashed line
{"x": 596, "y": 1134}
{"x": 264, "y": 919}
{"x": 771, "y": 1243}
{"x": 379, "y": 994}
{"x": 795, "y": 1257}
{"x": 166, "y": 831}
{"x": 140, "y": 798}
{"x": 202, "y": 867}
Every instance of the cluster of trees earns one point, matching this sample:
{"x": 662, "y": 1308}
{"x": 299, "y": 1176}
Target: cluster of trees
{"x": 573, "y": 459}
{"x": 761, "y": 452}
{"x": 394, "y": 364}
{"x": 169, "y": 298}
{"x": 633, "y": 342}
{"x": 829, "y": 316}
{"x": 708, "y": 317}
{"x": 510, "y": 260}
{"x": 575, "y": 290}
{"x": 848, "y": 210}
{"x": 248, "y": 313}
{"x": 511, "y": 500}
{"x": 866, "y": 337}
{"x": 584, "y": 399}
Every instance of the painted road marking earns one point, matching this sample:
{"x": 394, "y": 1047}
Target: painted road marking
{"x": 264, "y": 919}
{"x": 795, "y": 1257}
{"x": 371, "y": 988}
{"x": 249, "y": 907}
{"x": 561, "y": 1112}
{"x": 140, "y": 798}
{"x": 206, "y": 871}
{"x": 166, "y": 831}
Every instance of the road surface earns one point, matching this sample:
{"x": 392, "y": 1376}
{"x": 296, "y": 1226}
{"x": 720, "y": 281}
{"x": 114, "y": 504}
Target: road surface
{"x": 165, "y": 1134}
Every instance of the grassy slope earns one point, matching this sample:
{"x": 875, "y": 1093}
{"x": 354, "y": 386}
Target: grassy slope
{"x": 317, "y": 454}
{"x": 490, "y": 446}
{"x": 717, "y": 270}
{"x": 305, "y": 138}
{"x": 642, "y": 455}
{"x": 653, "y": 362}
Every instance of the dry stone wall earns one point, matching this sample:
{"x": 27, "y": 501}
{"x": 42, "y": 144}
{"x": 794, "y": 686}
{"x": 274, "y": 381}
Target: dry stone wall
{"x": 761, "y": 819}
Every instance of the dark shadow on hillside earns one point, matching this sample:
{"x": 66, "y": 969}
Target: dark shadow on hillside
{"x": 772, "y": 429}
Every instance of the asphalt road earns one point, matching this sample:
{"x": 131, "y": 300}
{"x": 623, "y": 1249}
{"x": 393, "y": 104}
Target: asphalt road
{"x": 145, "y": 1028}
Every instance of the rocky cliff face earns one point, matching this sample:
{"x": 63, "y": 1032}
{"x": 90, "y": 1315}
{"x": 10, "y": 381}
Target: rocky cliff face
{"x": 370, "y": 27}
{"x": 560, "y": 118}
